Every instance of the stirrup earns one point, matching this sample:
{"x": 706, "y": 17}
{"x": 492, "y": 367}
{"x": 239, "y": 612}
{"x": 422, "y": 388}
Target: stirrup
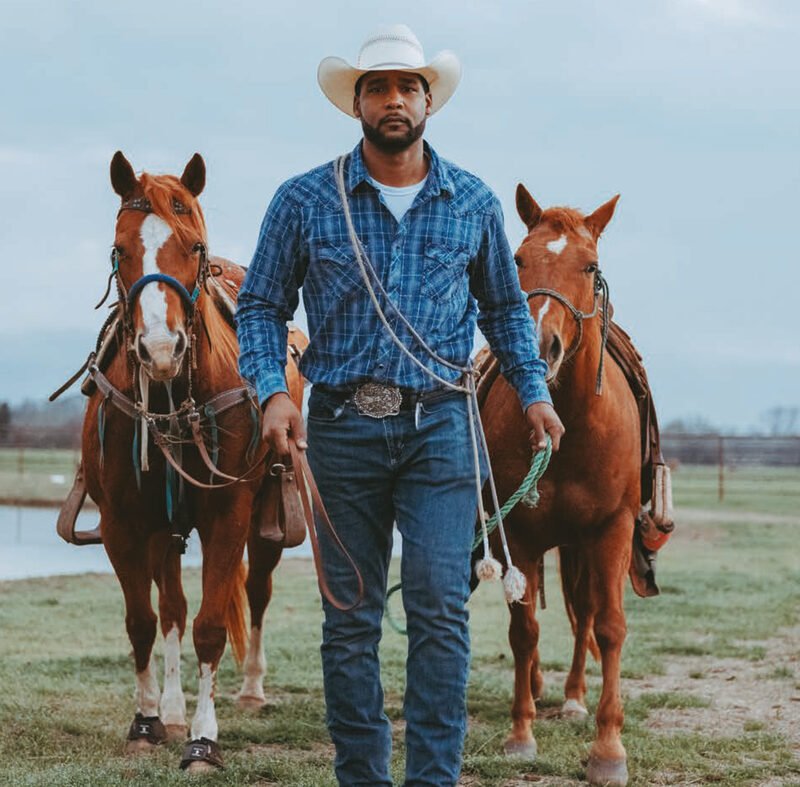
{"x": 70, "y": 508}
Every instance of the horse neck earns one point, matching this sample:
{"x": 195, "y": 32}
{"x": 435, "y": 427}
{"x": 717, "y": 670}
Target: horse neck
{"x": 576, "y": 392}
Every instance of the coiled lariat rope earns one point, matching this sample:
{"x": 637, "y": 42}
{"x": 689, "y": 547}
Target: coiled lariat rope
{"x": 488, "y": 568}
{"x": 527, "y": 492}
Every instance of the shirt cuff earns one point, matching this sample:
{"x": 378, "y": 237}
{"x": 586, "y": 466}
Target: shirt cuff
{"x": 268, "y": 384}
{"x": 533, "y": 390}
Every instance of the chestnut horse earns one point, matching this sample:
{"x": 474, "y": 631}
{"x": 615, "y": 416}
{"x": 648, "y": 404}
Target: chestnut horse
{"x": 590, "y": 494}
{"x": 171, "y": 389}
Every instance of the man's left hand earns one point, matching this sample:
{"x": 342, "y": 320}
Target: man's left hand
{"x": 543, "y": 420}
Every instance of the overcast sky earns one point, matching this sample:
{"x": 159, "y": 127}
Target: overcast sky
{"x": 689, "y": 108}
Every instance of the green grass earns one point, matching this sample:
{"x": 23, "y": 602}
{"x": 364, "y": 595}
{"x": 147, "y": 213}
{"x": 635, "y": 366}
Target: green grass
{"x": 25, "y": 474}
{"x": 67, "y": 677}
{"x": 771, "y": 490}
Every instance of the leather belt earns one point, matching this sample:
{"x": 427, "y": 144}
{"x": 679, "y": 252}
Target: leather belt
{"x": 378, "y": 400}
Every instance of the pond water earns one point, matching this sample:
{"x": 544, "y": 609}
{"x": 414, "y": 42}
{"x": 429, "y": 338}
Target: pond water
{"x": 30, "y": 546}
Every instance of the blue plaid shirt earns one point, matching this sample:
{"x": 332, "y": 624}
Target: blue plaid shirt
{"x": 446, "y": 264}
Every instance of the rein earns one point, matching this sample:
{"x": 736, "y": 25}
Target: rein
{"x": 600, "y": 289}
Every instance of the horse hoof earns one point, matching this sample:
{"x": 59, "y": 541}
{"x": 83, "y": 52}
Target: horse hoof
{"x": 139, "y": 746}
{"x": 201, "y": 755}
{"x": 198, "y": 768}
{"x": 176, "y": 732}
{"x": 145, "y": 733}
{"x": 572, "y": 709}
{"x": 522, "y": 750}
{"x": 609, "y": 773}
{"x": 250, "y": 702}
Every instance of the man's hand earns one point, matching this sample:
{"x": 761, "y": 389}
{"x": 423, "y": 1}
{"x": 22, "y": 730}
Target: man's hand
{"x": 281, "y": 421}
{"x": 543, "y": 420}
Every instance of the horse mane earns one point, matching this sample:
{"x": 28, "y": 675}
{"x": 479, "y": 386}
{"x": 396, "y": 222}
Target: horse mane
{"x": 161, "y": 190}
{"x": 564, "y": 219}
{"x": 224, "y": 355}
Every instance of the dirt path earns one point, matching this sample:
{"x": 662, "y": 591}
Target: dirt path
{"x": 742, "y": 696}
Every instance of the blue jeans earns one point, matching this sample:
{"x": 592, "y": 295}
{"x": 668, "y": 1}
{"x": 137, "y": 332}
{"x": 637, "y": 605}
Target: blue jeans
{"x": 417, "y": 472}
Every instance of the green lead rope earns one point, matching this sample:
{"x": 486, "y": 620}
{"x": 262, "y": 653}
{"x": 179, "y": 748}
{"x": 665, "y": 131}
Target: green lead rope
{"x": 527, "y": 492}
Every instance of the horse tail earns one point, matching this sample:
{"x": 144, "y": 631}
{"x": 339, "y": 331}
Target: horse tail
{"x": 571, "y": 567}
{"x": 236, "y": 619}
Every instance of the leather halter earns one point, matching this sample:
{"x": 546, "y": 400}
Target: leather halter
{"x": 600, "y": 289}
{"x": 143, "y": 204}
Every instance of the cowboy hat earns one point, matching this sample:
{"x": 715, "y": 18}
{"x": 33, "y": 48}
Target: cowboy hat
{"x": 389, "y": 48}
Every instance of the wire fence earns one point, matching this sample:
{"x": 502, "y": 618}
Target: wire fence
{"x": 708, "y": 469}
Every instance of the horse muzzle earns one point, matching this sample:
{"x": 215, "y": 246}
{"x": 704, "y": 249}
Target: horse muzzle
{"x": 161, "y": 354}
{"x": 551, "y": 350}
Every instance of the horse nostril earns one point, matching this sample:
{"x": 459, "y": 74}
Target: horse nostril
{"x": 141, "y": 350}
{"x": 554, "y": 351}
{"x": 180, "y": 345}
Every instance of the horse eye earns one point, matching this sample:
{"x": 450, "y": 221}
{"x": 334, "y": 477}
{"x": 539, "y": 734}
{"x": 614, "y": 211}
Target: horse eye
{"x": 591, "y": 268}
{"x": 517, "y": 260}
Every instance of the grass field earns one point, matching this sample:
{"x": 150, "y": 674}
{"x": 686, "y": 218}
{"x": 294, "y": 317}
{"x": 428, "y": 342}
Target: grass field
{"x": 34, "y": 475}
{"x": 710, "y": 680}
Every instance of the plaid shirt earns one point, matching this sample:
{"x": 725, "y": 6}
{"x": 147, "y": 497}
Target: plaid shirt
{"x": 446, "y": 264}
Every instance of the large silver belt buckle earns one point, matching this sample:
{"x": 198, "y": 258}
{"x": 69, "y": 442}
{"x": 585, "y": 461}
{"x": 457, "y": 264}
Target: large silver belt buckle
{"x": 376, "y": 400}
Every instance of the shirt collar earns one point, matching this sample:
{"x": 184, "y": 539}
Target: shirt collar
{"x": 439, "y": 177}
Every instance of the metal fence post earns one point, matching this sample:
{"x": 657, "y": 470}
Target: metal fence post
{"x": 721, "y": 462}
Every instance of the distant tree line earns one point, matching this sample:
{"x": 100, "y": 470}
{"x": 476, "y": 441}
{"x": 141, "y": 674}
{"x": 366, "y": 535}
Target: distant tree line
{"x": 42, "y": 424}
{"x": 58, "y": 424}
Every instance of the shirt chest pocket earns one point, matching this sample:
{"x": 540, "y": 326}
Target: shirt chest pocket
{"x": 337, "y": 271}
{"x": 444, "y": 272}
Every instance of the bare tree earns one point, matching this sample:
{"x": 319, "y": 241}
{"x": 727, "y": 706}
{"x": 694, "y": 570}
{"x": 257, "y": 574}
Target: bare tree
{"x": 781, "y": 421}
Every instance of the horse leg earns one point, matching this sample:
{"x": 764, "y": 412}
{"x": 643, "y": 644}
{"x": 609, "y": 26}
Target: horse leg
{"x": 127, "y": 552}
{"x": 574, "y": 706}
{"x": 223, "y": 538}
{"x": 263, "y": 556}
{"x": 576, "y": 592}
{"x": 608, "y": 564}
{"x": 523, "y": 636}
{"x": 166, "y": 563}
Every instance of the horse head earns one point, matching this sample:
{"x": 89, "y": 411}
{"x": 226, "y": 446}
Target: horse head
{"x": 558, "y": 268}
{"x": 160, "y": 260}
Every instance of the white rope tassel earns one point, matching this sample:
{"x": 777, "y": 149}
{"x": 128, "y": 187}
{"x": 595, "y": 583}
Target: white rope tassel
{"x": 489, "y": 569}
{"x": 514, "y": 585}
{"x": 144, "y": 390}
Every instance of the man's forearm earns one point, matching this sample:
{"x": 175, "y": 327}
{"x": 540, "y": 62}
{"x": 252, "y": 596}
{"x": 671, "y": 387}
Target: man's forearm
{"x": 262, "y": 333}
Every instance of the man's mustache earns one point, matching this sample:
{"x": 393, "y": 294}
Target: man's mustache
{"x": 395, "y": 119}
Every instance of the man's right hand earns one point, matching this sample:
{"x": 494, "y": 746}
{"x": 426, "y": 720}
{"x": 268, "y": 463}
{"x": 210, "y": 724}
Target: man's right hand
{"x": 282, "y": 420}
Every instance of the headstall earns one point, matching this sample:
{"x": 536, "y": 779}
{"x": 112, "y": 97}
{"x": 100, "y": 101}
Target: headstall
{"x": 601, "y": 292}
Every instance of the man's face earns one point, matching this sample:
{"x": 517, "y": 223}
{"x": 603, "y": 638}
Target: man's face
{"x": 393, "y": 107}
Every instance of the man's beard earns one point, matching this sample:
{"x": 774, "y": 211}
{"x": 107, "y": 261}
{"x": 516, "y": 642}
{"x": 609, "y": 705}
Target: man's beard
{"x": 393, "y": 144}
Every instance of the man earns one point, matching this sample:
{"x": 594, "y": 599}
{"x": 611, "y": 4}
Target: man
{"x": 386, "y": 442}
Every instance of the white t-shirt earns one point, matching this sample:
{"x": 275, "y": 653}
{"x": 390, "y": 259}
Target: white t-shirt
{"x": 398, "y": 198}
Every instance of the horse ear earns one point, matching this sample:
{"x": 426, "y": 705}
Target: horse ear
{"x": 599, "y": 219}
{"x": 123, "y": 178}
{"x": 528, "y": 210}
{"x": 194, "y": 176}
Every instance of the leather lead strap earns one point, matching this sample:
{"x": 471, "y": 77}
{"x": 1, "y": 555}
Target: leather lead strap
{"x": 303, "y": 471}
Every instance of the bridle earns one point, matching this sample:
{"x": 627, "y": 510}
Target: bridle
{"x": 601, "y": 293}
{"x": 128, "y": 298}
{"x": 166, "y": 428}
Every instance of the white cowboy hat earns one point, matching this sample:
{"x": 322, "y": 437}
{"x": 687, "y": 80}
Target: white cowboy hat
{"x": 389, "y": 48}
